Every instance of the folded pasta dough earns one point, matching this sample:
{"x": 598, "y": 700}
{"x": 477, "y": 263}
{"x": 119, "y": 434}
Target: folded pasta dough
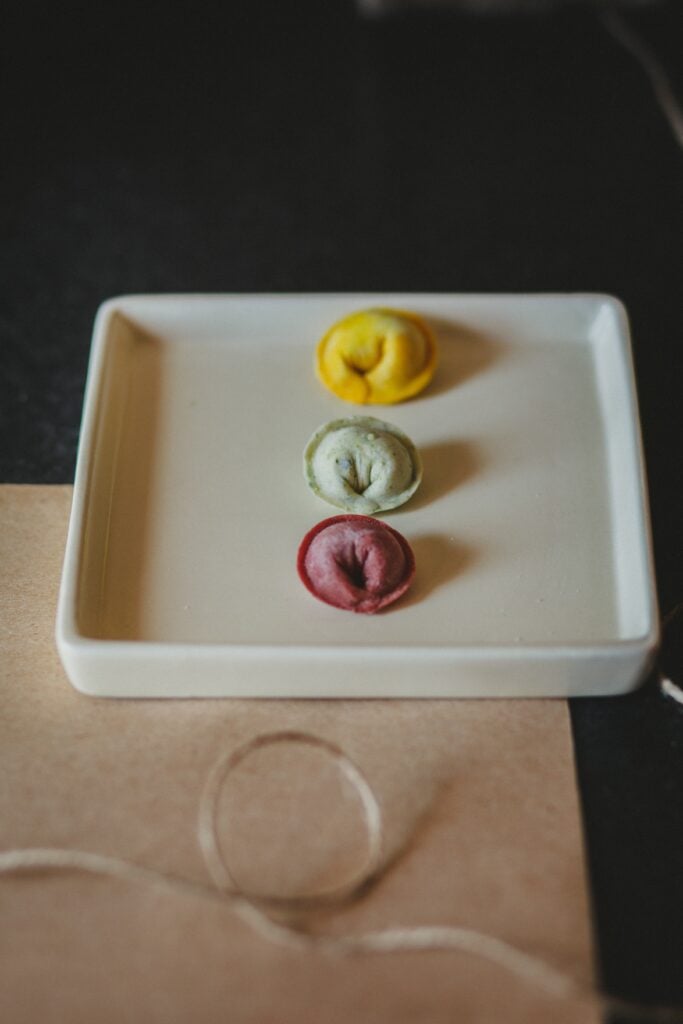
{"x": 377, "y": 356}
{"x": 355, "y": 563}
{"x": 362, "y": 464}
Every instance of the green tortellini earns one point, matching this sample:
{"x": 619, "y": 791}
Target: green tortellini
{"x": 362, "y": 464}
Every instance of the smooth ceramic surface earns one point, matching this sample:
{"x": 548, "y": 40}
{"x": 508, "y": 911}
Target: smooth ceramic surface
{"x": 530, "y": 530}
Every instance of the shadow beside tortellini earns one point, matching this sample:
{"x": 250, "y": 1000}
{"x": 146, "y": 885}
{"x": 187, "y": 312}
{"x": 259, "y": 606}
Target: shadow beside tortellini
{"x": 439, "y": 559}
{"x": 446, "y": 465}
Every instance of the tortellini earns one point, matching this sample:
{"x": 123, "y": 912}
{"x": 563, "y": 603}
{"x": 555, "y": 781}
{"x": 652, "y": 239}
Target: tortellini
{"x": 362, "y": 465}
{"x": 356, "y": 563}
{"x": 377, "y": 356}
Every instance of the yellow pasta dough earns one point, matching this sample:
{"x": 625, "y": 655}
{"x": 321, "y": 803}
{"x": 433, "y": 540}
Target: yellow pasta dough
{"x": 377, "y": 356}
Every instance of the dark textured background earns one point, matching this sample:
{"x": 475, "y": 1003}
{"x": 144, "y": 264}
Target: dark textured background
{"x": 295, "y": 147}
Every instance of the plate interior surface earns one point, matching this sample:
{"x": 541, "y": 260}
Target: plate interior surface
{"x": 197, "y": 501}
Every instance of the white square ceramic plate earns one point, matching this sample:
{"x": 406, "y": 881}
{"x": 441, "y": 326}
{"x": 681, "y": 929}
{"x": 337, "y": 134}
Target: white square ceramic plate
{"x": 530, "y": 530}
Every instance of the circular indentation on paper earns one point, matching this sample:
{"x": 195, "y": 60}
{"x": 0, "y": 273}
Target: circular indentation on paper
{"x": 289, "y": 817}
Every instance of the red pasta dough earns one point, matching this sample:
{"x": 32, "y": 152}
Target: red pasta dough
{"x": 356, "y": 563}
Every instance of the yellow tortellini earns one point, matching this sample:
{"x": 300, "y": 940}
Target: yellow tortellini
{"x": 377, "y": 356}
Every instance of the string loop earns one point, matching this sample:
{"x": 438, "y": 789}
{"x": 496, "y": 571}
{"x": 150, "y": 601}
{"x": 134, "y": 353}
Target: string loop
{"x": 217, "y": 864}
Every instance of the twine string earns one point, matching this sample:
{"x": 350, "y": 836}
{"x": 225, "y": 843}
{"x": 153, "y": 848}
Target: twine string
{"x": 662, "y": 88}
{"x": 666, "y": 684}
{"x": 207, "y": 833}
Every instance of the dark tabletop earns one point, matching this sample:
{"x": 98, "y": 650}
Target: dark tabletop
{"x": 294, "y": 146}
